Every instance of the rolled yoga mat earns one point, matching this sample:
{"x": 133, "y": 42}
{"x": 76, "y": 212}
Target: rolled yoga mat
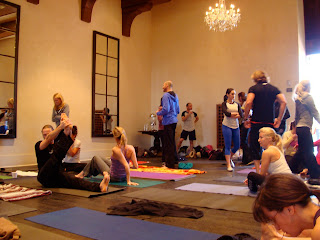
{"x": 196, "y": 199}
{"x": 98, "y": 225}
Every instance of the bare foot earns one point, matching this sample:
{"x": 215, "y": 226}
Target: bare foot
{"x": 80, "y": 175}
{"x": 104, "y": 183}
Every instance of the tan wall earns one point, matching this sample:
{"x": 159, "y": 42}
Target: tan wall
{"x": 202, "y": 64}
{"x": 55, "y": 55}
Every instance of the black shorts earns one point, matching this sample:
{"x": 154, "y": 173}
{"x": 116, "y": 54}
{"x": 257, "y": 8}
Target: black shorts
{"x": 185, "y": 134}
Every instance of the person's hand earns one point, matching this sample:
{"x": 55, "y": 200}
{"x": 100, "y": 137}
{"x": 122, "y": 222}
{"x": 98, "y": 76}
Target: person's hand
{"x": 296, "y": 146}
{"x": 132, "y": 183}
{"x": 130, "y": 164}
{"x": 276, "y": 123}
{"x": 245, "y": 181}
{"x": 247, "y": 124}
{"x": 64, "y": 116}
{"x": 159, "y": 109}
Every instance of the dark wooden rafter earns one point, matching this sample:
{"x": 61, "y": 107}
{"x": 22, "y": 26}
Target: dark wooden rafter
{"x": 132, "y": 8}
{"x": 86, "y": 10}
{"x": 33, "y": 1}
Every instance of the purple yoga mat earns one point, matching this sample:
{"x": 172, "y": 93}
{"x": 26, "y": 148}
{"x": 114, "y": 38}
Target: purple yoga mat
{"x": 246, "y": 171}
{"x": 161, "y": 176}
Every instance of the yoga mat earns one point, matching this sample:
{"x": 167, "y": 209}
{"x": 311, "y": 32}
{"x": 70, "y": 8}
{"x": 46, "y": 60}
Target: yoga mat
{"x": 84, "y": 193}
{"x": 160, "y": 176}
{"x": 98, "y": 225}
{"x": 142, "y": 182}
{"x": 215, "y": 188}
{"x": 5, "y": 177}
{"x": 32, "y": 182}
{"x": 246, "y": 171}
{"x": 196, "y": 199}
{"x": 238, "y": 179}
{"x": 11, "y": 209}
{"x": 31, "y": 233}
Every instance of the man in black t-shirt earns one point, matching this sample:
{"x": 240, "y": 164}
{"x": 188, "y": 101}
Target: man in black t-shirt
{"x": 260, "y": 99}
{"x": 51, "y": 151}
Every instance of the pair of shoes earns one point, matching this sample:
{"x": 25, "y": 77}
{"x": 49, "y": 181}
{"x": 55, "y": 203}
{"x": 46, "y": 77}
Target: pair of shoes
{"x": 230, "y": 169}
{"x": 232, "y": 163}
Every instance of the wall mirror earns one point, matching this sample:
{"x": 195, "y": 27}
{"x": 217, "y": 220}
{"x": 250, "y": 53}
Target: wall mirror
{"x": 9, "y": 39}
{"x": 105, "y": 84}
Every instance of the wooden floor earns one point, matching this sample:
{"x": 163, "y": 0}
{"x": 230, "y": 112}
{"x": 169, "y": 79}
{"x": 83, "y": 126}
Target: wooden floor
{"x": 214, "y": 221}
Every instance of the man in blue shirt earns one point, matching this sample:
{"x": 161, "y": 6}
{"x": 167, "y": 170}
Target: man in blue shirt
{"x": 169, "y": 110}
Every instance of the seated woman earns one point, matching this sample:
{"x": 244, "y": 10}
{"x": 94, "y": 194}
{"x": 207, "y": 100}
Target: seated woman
{"x": 284, "y": 200}
{"x": 117, "y": 169}
{"x": 50, "y": 152}
{"x": 272, "y": 159}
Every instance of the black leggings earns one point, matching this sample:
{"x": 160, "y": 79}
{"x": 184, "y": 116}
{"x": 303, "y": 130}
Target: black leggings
{"x": 304, "y": 155}
{"x": 254, "y": 181}
{"x": 53, "y": 175}
{"x": 169, "y": 142}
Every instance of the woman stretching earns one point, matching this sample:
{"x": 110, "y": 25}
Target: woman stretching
{"x": 284, "y": 200}
{"x": 230, "y": 126}
{"x": 272, "y": 159}
{"x": 117, "y": 168}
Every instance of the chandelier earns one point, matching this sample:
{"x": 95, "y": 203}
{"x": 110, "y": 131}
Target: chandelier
{"x": 220, "y": 19}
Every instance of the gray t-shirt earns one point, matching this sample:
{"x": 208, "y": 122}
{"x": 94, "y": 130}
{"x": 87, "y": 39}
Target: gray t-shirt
{"x": 188, "y": 124}
{"x": 228, "y": 121}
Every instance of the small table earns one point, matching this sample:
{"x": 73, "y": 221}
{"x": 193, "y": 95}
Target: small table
{"x": 156, "y": 142}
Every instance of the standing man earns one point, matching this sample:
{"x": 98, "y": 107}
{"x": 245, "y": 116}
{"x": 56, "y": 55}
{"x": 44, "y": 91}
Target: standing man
{"x": 169, "y": 110}
{"x": 189, "y": 118}
{"x": 260, "y": 99}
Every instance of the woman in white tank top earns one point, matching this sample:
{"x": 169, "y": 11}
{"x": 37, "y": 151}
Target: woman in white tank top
{"x": 272, "y": 160}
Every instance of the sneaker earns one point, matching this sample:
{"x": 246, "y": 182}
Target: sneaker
{"x": 229, "y": 169}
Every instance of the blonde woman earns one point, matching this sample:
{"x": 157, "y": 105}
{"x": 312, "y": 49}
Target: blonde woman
{"x": 272, "y": 160}
{"x": 117, "y": 168}
{"x": 305, "y": 112}
{"x": 59, "y": 107}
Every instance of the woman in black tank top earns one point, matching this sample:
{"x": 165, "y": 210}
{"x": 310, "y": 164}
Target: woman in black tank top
{"x": 284, "y": 200}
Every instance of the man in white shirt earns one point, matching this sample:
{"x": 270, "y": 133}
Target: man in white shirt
{"x": 189, "y": 118}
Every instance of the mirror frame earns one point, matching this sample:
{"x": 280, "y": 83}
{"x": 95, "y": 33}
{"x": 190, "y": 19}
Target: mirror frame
{"x": 94, "y": 54}
{"x": 14, "y": 133}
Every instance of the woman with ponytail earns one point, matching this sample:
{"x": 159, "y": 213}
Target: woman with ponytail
{"x": 117, "y": 167}
{"x": 272, "y": 160}
{"x": 284, "y": 200}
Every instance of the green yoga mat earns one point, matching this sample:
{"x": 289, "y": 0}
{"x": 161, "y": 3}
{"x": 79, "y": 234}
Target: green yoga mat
{"x": 5, "y": 177}
{"x": 11, "y": 209}
{"x": 196, "y": 199}
{"x": 142, "y": 182}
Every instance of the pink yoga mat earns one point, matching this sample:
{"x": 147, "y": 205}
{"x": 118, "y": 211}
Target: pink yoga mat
{"x": 160, "y": 176}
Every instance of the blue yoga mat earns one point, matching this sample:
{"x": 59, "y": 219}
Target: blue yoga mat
{"x": 142, "y": 182}
{"x": 98, "y": 225}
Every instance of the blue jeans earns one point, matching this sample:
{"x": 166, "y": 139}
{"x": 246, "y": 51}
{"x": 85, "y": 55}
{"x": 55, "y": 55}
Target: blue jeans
{"x": 228, "y": 135}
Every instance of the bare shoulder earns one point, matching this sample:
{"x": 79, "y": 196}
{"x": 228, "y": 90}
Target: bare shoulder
{"x": 315, "y": 234}
{"x": 130, "y": 149}
{"x": 116, "y": 149}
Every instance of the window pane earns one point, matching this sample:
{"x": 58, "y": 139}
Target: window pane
{"x": 100, "y": 102}
{"x": 112, "y": 88}
{"x": 6, "y": 92}
{"x": 7, "y": 69}
{"x": 113, "y": 105}
{"x": 112, "y": 67}
{"x": 101, "y": 44}
{"x": 113, "y": 48}
{"x": 100, "y": 84}
{"x": 101, "y": 64}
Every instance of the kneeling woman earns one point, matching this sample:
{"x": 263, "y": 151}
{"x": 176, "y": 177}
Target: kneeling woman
{"x": 272, "y": 160}
{"x": 284, "y": 200}
{"x": 117, "y": 168}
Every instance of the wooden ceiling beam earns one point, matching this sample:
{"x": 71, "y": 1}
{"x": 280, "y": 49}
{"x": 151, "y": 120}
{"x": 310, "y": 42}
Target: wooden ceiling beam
{"x": 86, "y": 10}
{"x": 132, "y": 8}
{"x": 34, "y": 1}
